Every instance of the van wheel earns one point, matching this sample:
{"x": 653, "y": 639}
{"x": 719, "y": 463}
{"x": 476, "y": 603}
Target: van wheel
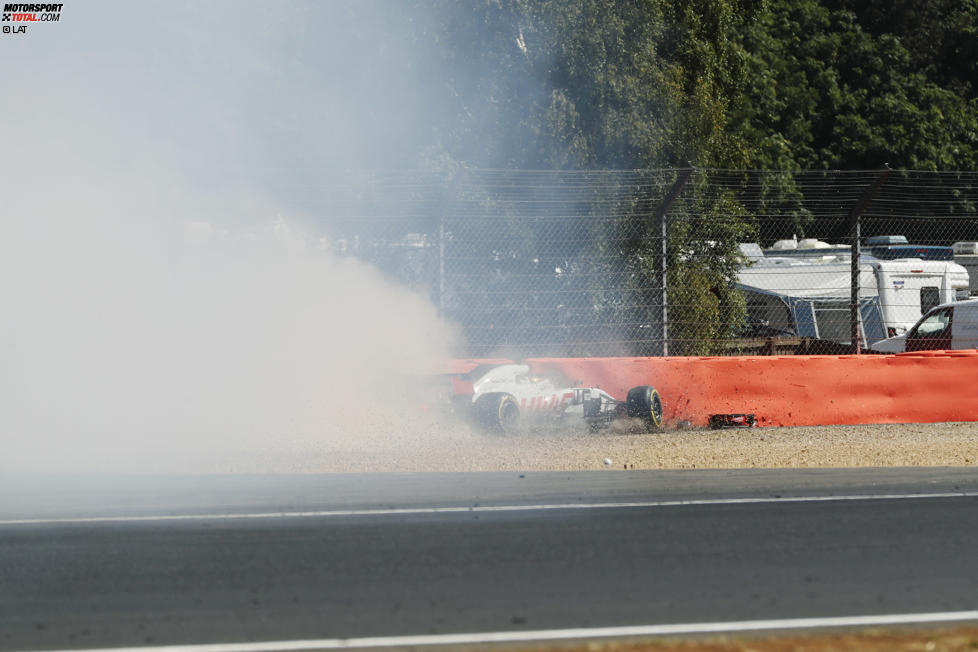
{"x": 644, "y": 402}
{"x": 498, "y": 413}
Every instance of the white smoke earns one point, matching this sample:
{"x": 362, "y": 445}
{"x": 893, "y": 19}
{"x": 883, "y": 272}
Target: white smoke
{"x": 165, "y": 293}
{"x": 128, "y": 336}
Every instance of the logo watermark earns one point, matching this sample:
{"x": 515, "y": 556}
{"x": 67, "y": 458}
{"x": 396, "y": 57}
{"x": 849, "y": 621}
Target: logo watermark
{"x": 17, "y": 16}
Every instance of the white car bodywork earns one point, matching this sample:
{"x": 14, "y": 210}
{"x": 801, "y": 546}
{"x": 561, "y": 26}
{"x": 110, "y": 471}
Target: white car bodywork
{"x": 539, "y": 395}
{"x": 503, "y": 397}
{"x": 536, "y": 395}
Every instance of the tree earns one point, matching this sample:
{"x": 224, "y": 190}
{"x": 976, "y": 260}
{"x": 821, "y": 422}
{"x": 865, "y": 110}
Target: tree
{"x": 634, "y": 84}
{"x": 828, "y": 94}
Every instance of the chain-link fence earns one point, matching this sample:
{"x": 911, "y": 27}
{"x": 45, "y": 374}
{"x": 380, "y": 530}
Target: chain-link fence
{"x": 678, "y": 261}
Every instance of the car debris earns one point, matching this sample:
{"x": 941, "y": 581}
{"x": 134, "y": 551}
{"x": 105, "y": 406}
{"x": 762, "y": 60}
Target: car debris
{"x": 718, "y": 421}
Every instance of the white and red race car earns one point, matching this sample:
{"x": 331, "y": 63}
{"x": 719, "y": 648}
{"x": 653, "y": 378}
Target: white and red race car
{"x": 503, "y": 398}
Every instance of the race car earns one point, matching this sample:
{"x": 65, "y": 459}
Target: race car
{"x": 505, "y": 398}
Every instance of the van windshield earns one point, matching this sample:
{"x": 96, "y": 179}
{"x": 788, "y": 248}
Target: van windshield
{"x": 934, "y": 324}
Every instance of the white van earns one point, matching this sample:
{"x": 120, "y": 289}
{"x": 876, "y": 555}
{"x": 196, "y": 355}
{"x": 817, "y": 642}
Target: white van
{"x": 947, "y": 326}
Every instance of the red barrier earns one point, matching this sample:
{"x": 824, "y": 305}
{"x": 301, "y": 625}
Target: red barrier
{"x": 931, "y": 386}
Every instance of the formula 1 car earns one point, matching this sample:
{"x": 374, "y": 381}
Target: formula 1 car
{"x": 504, "y": 398}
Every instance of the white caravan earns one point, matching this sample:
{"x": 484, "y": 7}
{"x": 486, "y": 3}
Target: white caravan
{"x": 904, "y": 289}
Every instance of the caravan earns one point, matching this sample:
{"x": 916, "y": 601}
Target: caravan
{"x": 810, "y": 296}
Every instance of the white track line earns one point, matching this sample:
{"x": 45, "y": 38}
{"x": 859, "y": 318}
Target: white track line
{"x": 476, "y": 509}
{"x": 555, "y": 634}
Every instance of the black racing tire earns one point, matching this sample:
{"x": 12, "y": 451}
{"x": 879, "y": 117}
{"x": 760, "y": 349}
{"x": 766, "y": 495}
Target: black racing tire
{"x": 498, "y": 413}
{"x": 644, "y": 403}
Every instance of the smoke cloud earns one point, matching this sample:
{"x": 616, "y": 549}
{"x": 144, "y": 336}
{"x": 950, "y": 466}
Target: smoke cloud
{"x": 164, "y": 297}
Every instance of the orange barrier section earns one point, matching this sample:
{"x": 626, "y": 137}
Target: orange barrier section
{"x": 924, "y": 387}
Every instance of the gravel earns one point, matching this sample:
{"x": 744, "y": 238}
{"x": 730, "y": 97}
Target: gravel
{"x": 457, "y": 448}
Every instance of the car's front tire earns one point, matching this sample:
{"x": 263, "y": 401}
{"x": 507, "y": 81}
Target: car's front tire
{"x": 644, "y": 403}
{"x": 498, "y": 413}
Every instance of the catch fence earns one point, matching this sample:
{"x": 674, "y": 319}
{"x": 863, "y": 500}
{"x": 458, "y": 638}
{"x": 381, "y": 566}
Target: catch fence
{"x": 673, "y": 261}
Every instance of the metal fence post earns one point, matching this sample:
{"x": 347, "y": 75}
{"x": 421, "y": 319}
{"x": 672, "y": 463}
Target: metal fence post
{"x": 853, "y": 223}
{"x": 661, "y": 212}
{"x": 663, "y": 291}
{"x": 854, "y": 289}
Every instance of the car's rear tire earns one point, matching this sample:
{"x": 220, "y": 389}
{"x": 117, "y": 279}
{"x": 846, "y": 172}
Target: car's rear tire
{"x": 643, "y": 402}
{"x": 498, "y": 413}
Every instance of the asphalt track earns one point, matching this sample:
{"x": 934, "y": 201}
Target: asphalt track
{"x": 88, "y": 562}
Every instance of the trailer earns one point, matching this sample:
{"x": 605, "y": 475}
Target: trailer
{"x": 807, "y": 296}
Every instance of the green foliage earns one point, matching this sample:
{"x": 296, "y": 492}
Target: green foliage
{"x": 830, "y": 93}
{"x": 798, "y": 84}
{"x": 704, "y": 305}
{"x": 940, "y": 36}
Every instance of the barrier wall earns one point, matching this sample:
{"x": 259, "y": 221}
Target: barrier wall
{"x": 931, "y": 386}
